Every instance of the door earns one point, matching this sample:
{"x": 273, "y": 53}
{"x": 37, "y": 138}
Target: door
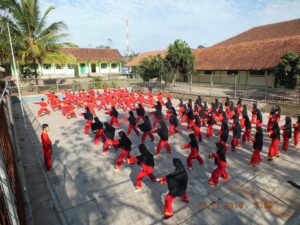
{"x": 82, "y": 68}
{"x": 93, "y": 68}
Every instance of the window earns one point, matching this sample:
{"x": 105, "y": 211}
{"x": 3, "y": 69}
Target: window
{"x": 103, "y": 66}
{"x": 59, "y": 67}
{"x": 208, "y": 72}
{"x": 71, "y": 66}
{"x": 114, "y": 65}
{"x": 232, "y": 72}
{"x": 257, "y": 73}
{"x": 46, "y": 66}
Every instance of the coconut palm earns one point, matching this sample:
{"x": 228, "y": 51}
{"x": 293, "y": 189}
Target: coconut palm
{"x": 33, "y": 40}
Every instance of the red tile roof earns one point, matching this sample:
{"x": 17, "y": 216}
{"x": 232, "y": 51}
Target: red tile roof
{"x": 94, "y": 54}
{"x": 136, "y": 60}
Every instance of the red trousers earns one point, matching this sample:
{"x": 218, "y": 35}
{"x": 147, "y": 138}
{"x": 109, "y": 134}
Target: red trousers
{"x": 114, "y": 120}
{"x": 194, "y": 155}
{"x": 146, "y": 171}
{"x": 285, "y": 142}
{"x": 130, "y": 128}
{"x": 121, "y": 157}
{"x": 219, "y": 172}
{"x": 273, "y": 150}
{"x": 41, "y": 110}
{"x": 161, "y": 144}
{"x": 168, "y": 115}
{"x": 235, "y": 142}
{"x": 145, "y": 135}
{"x": 209, "y": 131}
{"x": 183, "y": 119}
{"x": 99, "y": 135}
{"x": 197, "y": 133}
{"x": 190, "y": 124}
{"x": 172, "y": 129}
{"x": 246, "y": 136}
{"x": 296, "y": 138}
{"x": 255, "y": 159}
{"x": 87, "y": 126}
{"x": 168, "y": 210}
{"x": 107, "y": 144}
{"x": 47, "y": 158}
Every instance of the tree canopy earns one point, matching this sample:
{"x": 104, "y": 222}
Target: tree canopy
{"x": 179, "y": 60}
{"x": 33, "y": 40}
{"x": 287, "y": 72}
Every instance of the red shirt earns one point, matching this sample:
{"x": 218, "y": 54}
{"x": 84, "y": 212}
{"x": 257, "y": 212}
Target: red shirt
{"x": 46, "y": 142}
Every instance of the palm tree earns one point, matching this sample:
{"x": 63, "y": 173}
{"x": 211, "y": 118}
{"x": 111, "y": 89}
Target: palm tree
{"x": 33, "y": 41}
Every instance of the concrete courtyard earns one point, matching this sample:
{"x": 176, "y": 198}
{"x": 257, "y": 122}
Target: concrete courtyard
{"x": 85, "y": 188}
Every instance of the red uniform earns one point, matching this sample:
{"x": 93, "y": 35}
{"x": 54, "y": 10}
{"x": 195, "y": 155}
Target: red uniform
{"x": 47, "y": 150}
{"x": 194, "y": 154}
{"x": 43, "y": 108}
{"x": 220, "y": 171}
{"x": 296, "y": 133}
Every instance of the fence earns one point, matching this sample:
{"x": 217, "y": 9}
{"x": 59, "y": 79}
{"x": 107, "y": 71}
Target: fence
{"x": 12, "y": 207}
{"x": 253, "y": 93}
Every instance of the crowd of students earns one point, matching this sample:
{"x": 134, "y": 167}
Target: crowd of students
{"x": 167, "y": 121}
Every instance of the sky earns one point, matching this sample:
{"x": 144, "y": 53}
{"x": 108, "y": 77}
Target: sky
{"x": 155, "y": 24}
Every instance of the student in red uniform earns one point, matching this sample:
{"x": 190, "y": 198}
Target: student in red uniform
{"x": 253, "y": 111}
{"x": 277, "y": 113}
{"x": 210, "y": 122}
{"x": 247, "y": 132}
{"x": 158, "y": 115}
{"x": 146, "y": 161}
{"x": 224, "y": 132}
{"x": 47, "y": 147}
{"x": 88, "y": 116}
{"x": 109, "y": 133}
{"x": 146, "y": 128}
{"x": 190, "y": 117}
{"x": 194, "y": 154}
{"x": 272, "y": 118}
{"x": 124, "y": 143}
{"x": 169, "y": 109}
{"x": 244, "y": 113}
{"x": 257, "y": 146}
{"x": 197, "y": 128}
{"x": 220, "y": 161}
{"x": 164, "y": 136}
{"x": 236, "y": 134}
{"x": 296, "y": 127}
{"x": 97, "y": 128}
{"x": 173, "y": 122}
{"x": 239, "y": 106}
{"x": 274, "y": 134}
{"x": 177, "y": 185}
{"x": 114, "y": 117}
{"x": 181, "y": 107}
{"x": 132, "y": 124}
{"x": 287, "y": 132}
{"x": 43, "y": 108}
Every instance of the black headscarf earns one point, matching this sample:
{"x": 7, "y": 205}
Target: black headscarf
{"x": 132, "y": 119}
{"x": 199, "y": 100}
{"x": 173, "y": 119}
{"x": 114, "y": 112}
{"x": 258, "y": 143}
{"x": 158, "y": 106}
{"x": 178, "y": 180}
{"x": 146, "y": 126}
{"x": 109, "y": 131}
{"x": 181, "y": 103}
{"x": 220, "y": 152}
{"x": 163, "y": 131}
{"x": 190, "y": 113}
{"x": 226, "y": 101}
{"x": 244, "y": 111}
{"x": 275, "y": 130}
{"x": 88, "y": 115}
{"x": 239, "y": 102}
{"x": 225, "y": 131}
{"x": 145, "y": 157}
{"x": 97, "y": 125}
{"x": 237, "y": 130}
{"x": 168, "y": 104}
{"x": 247, "y": 122}
{"x": 259, "y": 115}
{"x": 124, "y": 141}
{"x": 288, "y": 126}
{"x": 193, "y": 142}
{"x": 140, "y": 111}
{"x": 197, "y": 121}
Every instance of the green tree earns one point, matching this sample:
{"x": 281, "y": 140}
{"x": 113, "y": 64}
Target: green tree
{"x": 33, "y": 41}
{"x": 201, "y": 46}
{"x": 152, "y": 67}
{"x": 287, "y": 72}
{"x": 179, "y": 59}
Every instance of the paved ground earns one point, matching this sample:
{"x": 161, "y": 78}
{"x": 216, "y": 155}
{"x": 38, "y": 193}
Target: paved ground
{"x": 87, "y": 190}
